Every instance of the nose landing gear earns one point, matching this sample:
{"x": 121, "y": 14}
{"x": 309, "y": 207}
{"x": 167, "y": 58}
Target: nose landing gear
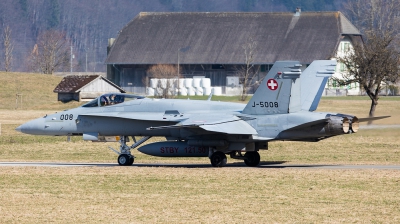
{"x": 125, "y": 160}
{"x": 125, "y": 157}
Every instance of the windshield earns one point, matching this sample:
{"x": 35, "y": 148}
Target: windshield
{"x": 111, "y": 99}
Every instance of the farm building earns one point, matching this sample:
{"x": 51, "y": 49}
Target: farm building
{"x": 210, "y": 45}
{"x": 83, "y": 88}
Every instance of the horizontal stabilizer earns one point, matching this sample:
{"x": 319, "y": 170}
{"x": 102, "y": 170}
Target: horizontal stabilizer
{"x": 365, "y": 119}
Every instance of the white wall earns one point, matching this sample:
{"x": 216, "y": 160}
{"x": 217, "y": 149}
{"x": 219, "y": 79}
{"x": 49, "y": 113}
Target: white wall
{"x": 99, "y": 85}
{"x": 96, "y": 88}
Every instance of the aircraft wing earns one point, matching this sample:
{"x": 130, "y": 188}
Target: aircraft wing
{"x": 222, "y": 123}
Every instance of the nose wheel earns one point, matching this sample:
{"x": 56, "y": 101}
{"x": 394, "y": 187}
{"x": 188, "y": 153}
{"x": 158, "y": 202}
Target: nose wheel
{"x": 125, "y": 160}
{"x": 125, "y": 157}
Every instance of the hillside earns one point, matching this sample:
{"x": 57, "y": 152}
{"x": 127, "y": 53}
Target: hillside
{"x": 36, "y": 89}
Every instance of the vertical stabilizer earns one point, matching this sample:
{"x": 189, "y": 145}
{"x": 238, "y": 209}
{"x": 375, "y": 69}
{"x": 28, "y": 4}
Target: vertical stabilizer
{"x": 273, "y": 95}
{"x": 295, "y": 96}
{"x": 313, "y": 81}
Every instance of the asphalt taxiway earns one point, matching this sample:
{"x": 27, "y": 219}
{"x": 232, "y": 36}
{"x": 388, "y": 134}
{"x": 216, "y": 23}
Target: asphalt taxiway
{"x": 278, "y": 165}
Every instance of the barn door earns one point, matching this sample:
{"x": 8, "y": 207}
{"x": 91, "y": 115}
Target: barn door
{"x": 131, "y": 80}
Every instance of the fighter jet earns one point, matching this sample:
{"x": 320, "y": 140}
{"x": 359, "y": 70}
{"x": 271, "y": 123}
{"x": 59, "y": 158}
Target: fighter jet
{"x": 282, "y": 108}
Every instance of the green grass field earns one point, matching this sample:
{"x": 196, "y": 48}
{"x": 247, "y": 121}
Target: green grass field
{"x": 195, "y": 195}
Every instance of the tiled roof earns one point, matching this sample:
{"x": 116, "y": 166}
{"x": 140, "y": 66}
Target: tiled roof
{"x": 217, "y": 38}
{"x": 73, "y": 83}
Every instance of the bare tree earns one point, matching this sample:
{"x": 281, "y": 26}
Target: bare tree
{"x": 8, "y": 48}
{"x": 247, "y": 72}
{"x": 50, "y": 53}
{"x": 168, "y": 79}
{"x": 378, "y": 15}
{"x": 376, "y": 61}
{"x": 371, "y": 64}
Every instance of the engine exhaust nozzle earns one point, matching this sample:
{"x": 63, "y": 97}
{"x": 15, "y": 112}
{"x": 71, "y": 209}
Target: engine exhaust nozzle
{"x": 354, "y": 124}
{"x": 337, "y": 125}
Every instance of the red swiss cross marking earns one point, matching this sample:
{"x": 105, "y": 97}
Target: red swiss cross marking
{"x": 272, "y": 84}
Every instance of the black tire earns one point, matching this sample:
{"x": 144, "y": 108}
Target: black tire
{"x": 124, "y": 160}
{"x": 218, "y": 159}
{"x": 252, "y": 158}
{"x": 131, "y": 160}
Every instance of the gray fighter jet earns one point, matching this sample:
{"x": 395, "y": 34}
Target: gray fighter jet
{"x": 281, "y": 109}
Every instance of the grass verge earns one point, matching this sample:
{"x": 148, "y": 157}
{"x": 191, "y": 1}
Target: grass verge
{"x": 372, "y": 146}
{"x": 180, "y": 195}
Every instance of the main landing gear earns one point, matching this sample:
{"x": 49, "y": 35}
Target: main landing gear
{"x": 125, "y": 157}
{"x": 218, "y": 158}
{"x": 252, "y": 158}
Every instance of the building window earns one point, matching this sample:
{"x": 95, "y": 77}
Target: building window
{"x": 262, "y": 68}
{"x": 346, "y": 47}
{"x": 265, "y": 68}
{"x": 342, "y": 67}
{"x": 217, "y": 66}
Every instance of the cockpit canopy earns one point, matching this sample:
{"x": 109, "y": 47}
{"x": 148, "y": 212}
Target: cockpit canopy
{"x": 110, "y": 99}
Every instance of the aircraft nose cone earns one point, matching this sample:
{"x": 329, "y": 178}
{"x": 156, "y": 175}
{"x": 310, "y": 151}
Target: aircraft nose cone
{"x": 32, "y": 127}
{"x": 26, "y": 128}
{"x": 19, "y": 128}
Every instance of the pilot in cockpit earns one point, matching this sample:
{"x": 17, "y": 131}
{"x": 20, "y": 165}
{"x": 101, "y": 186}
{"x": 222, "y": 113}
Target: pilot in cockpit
{"x": 112, "y": 99}
{"x": 104, "y": 101}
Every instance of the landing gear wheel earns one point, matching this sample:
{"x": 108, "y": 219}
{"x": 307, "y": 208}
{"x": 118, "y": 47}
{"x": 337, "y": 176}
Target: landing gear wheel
{"x": 252, "y": 158}
{"x": 131, "y": 160}
{"x": 218, "y": 159}
{"x": 125, "y": 160}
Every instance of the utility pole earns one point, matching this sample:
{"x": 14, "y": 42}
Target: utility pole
{"x": 183, "y": 50}
{"x": 178, "y": 71}
{"x": 71, "y": 59}
{"x": 86, "y": 59}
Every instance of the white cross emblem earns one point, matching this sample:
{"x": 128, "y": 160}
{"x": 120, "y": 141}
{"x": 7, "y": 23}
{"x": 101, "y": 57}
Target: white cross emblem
{"x": 272, "y": 84}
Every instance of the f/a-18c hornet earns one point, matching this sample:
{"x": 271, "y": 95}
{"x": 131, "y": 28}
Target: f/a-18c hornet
{"x": 282, "y": 108}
